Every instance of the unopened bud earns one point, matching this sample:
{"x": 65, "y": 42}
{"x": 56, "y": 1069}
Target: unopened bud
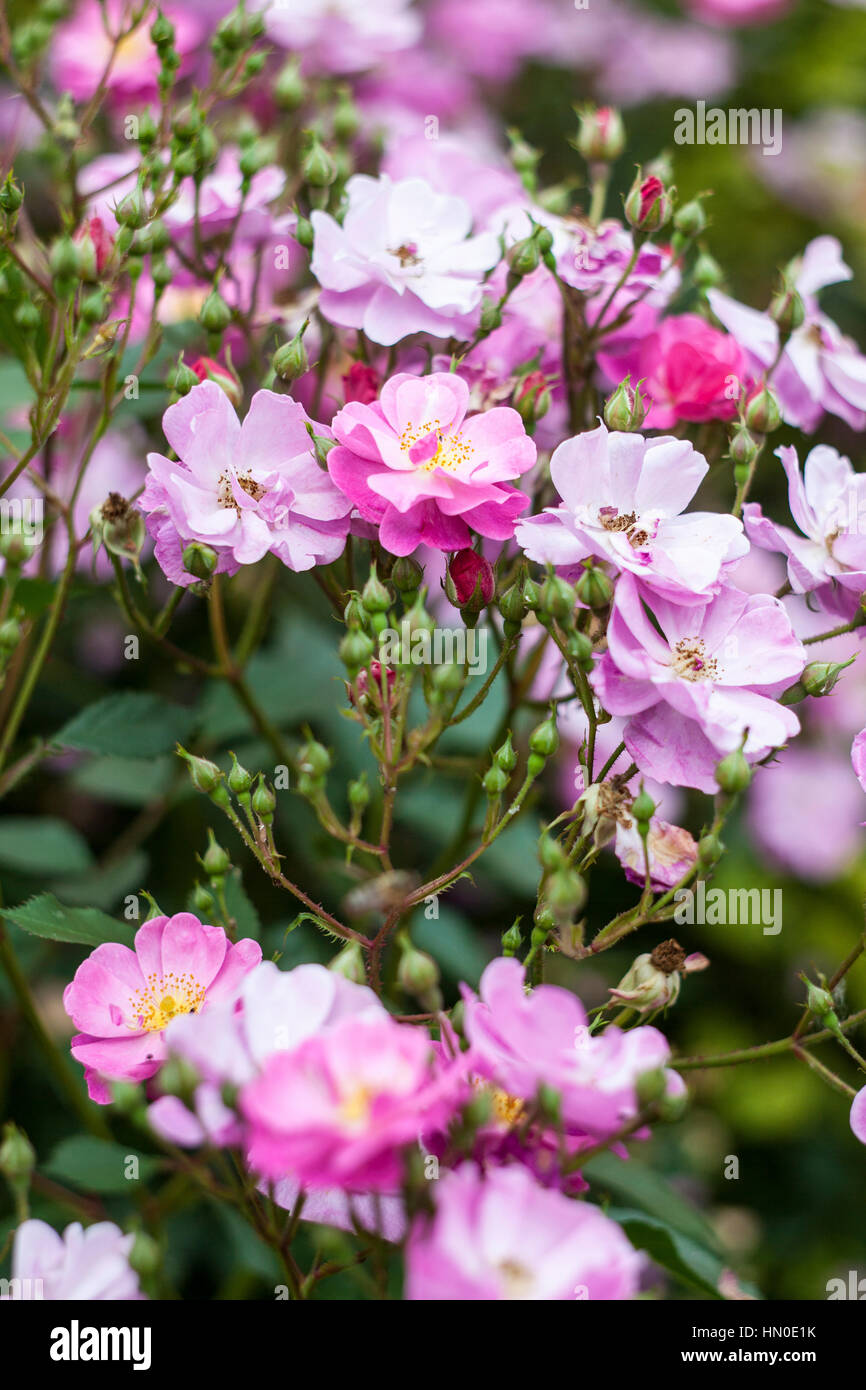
{"x": 626, "y": 409}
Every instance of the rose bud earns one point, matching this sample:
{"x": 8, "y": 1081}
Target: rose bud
{"x": 469, "y": 583}
{"x": 648, "y": 205}
{"x": 601, "y": 136}
{"x": 208, "y": 369}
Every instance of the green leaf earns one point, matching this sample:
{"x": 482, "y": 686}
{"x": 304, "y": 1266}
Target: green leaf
{"x": 129, "y": 725}
{"x": 686, "y": 1259}
{"x": 452, "y": 941}
{"x": 42, "y": 845}
{"x": 127, "y": 781}
{"x": 629, "y": 1180}
{"x": 84, "y": 926}
{"x": 96, "y": 1165}
{"x": 240, "y": 907}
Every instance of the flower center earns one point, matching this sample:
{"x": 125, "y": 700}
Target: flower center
{"x": 354, "y": 1109}
{"x": 517, "y": 1279}
{"x": 225, "y": 495}
{"x": 429, "y": 447}
{"x": 507, "y": 1109}
{"x": 613, "y": 520}
{"x": 690, "y": 660}
{"x": 406, "y": 254}
{"x": 164, "y": 998}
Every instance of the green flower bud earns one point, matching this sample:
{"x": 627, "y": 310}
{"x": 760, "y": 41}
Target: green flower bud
{"x": 523, "y": 258}
{"x": 291, "y": 361}
{"x": 733, "y": 773}
{"x": 417, "y": 972}
{"x": 304, "y": 234}
{"x": 512, "y": 940}
{"x": 162, "y": 31}
{"x": 215, "y": 315}
{"x": 491, "y": 315}
{"x": 376, "y": 597}
{"x": 145, "y": 1257}
{"x": 27, "y": 315}
{"x": 264, "y": 803}
{"x": 289, "y": 89}
{"x": 708, "y": 274}
{"x": 11, "y": 195}
{"x": 710, "y": 851}
{"x": 17, "y": 1157}
{"x": 820, "y": 677}
{"x": 356, "y": 649}
{"x": 349, "y": 962}
{"x": 551, "y": 855}
{"x": 565, "y": 894}
{"x": 346, "y": 120}
{"x": 203, "y": 902}
{"x": 650, "y": 1087}
{"x": 505, "y": 756}
{"x": 626, "y": 409}
{"x": 690, "y": 219}
{"x": 215, "y": 860}
{"x": 787, "y": 309}
{"x": 200, "y": 559}
{"x": 643, "y": 809}
{"x": 132, "y": 210}
{"x": 10, "y": 635}
{"x": 181, "y": 379}
{"x": 359, "y": 794}
{"x": 544, "y": 739}
{"x": 314, "y": 760}
{"x": 239, "y": 780}
{"x": 64, "y": 260}
{"x": 317, "y": 166}
{"x": 594, "y": 588}
{"x": 580, "y": 647}
{"x": 206, "y": 776}
{"x": 743, "y": 448}
{"x": 407, "y": 575}
{"x": 558, "y": 598}
{"x": 495, "y": 781}
{"x": 762, "y": 411}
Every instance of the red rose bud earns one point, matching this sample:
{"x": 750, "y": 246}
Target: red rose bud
{"x": 532, "y": 399}
{"x": 470, "y": 582}
{"x": 95, "y": 245}
{"x": 648, "y": 205}
{"x": 208, "y": 369}
{"x": 361, "y": 383}
{"x": 601, "y": 136}
{"x": 371, "y": 676}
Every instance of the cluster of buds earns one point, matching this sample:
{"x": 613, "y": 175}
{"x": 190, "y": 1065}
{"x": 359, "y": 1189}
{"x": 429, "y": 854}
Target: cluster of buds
{"x": 759, "y": 416}
{"x": 527, "y": 254}
{"x": 562, "y": 897}
{"x": 235, "y": 36}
